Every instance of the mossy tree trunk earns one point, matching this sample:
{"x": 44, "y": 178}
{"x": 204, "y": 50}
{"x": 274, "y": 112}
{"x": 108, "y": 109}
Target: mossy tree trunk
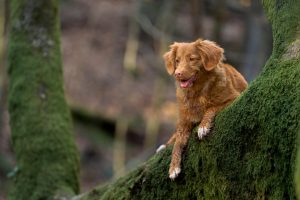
{"x": 252, "y": 150}
{"x": 47, "y": 158}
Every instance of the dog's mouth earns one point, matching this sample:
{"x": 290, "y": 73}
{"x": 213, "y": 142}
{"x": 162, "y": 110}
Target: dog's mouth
{"x": 187, "y": 82}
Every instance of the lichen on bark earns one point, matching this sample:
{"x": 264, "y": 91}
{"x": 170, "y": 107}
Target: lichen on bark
{"x": 47, "y": 159}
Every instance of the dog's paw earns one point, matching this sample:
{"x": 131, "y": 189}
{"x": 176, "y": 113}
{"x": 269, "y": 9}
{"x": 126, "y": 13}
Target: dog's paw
{"x": 161, "y": 147}
{"x": 174, "y": 173}
{"x": 202, "y": 131}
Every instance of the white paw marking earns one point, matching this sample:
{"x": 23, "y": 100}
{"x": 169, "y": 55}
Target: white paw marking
{"x": 175, "y": 173}
{"x": 202, "y": 131}
{"x": 161, "y": 147}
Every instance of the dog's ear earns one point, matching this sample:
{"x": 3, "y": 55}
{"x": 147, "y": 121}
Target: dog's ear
{"x": 211, "y": 54}
{"x": 170, "y": 57}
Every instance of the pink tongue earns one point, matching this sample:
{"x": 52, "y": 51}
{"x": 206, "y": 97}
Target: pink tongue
{"x": 185, "y": 84}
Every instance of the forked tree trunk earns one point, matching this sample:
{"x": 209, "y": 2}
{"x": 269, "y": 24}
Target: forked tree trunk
{"x": 252, "y": 150}
{"x": 47, "y": 159}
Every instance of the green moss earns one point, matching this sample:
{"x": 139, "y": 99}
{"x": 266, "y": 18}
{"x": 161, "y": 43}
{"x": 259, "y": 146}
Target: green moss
{"x": 40, "y": 120}
{"x": 284, "y": 16}
{"x": 297, "y": 173}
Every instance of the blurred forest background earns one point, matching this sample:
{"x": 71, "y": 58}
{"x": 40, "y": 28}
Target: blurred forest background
{"x": 121, "y": 98}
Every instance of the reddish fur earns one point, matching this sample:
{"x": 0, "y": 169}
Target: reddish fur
{"x": 216, "y": 85}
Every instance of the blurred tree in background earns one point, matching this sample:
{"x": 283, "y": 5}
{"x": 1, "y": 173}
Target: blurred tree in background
{"x": 40, "y": 121}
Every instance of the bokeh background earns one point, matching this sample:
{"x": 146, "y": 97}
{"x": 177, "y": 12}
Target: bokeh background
{"x": 122, "y": 100}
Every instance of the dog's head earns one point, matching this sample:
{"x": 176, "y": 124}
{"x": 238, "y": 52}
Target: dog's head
{"x": 188, "y": 61}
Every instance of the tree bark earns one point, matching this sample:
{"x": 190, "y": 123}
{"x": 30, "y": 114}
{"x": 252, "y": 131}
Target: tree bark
{"x": 47, "y": 158}
{"x": 252, "y": 150}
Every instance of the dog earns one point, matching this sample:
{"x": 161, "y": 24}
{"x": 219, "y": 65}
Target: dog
{"x": 204, "y": 86}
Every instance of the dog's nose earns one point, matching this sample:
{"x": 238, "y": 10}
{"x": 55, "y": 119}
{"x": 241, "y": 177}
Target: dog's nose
{"x": 178, "y": 74}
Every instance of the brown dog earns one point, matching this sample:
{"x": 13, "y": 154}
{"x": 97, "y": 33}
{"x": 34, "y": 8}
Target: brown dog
{"x": 205, "y": 85}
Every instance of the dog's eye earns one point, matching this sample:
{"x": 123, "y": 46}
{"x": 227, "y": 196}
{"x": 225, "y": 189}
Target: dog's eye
{"x": 177, "y": 60}
{"x": 192, "y": 59}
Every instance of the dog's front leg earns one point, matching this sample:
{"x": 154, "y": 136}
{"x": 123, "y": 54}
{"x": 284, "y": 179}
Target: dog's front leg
{"x": 206, "y": 122}
{"x": 181, "y": 139}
